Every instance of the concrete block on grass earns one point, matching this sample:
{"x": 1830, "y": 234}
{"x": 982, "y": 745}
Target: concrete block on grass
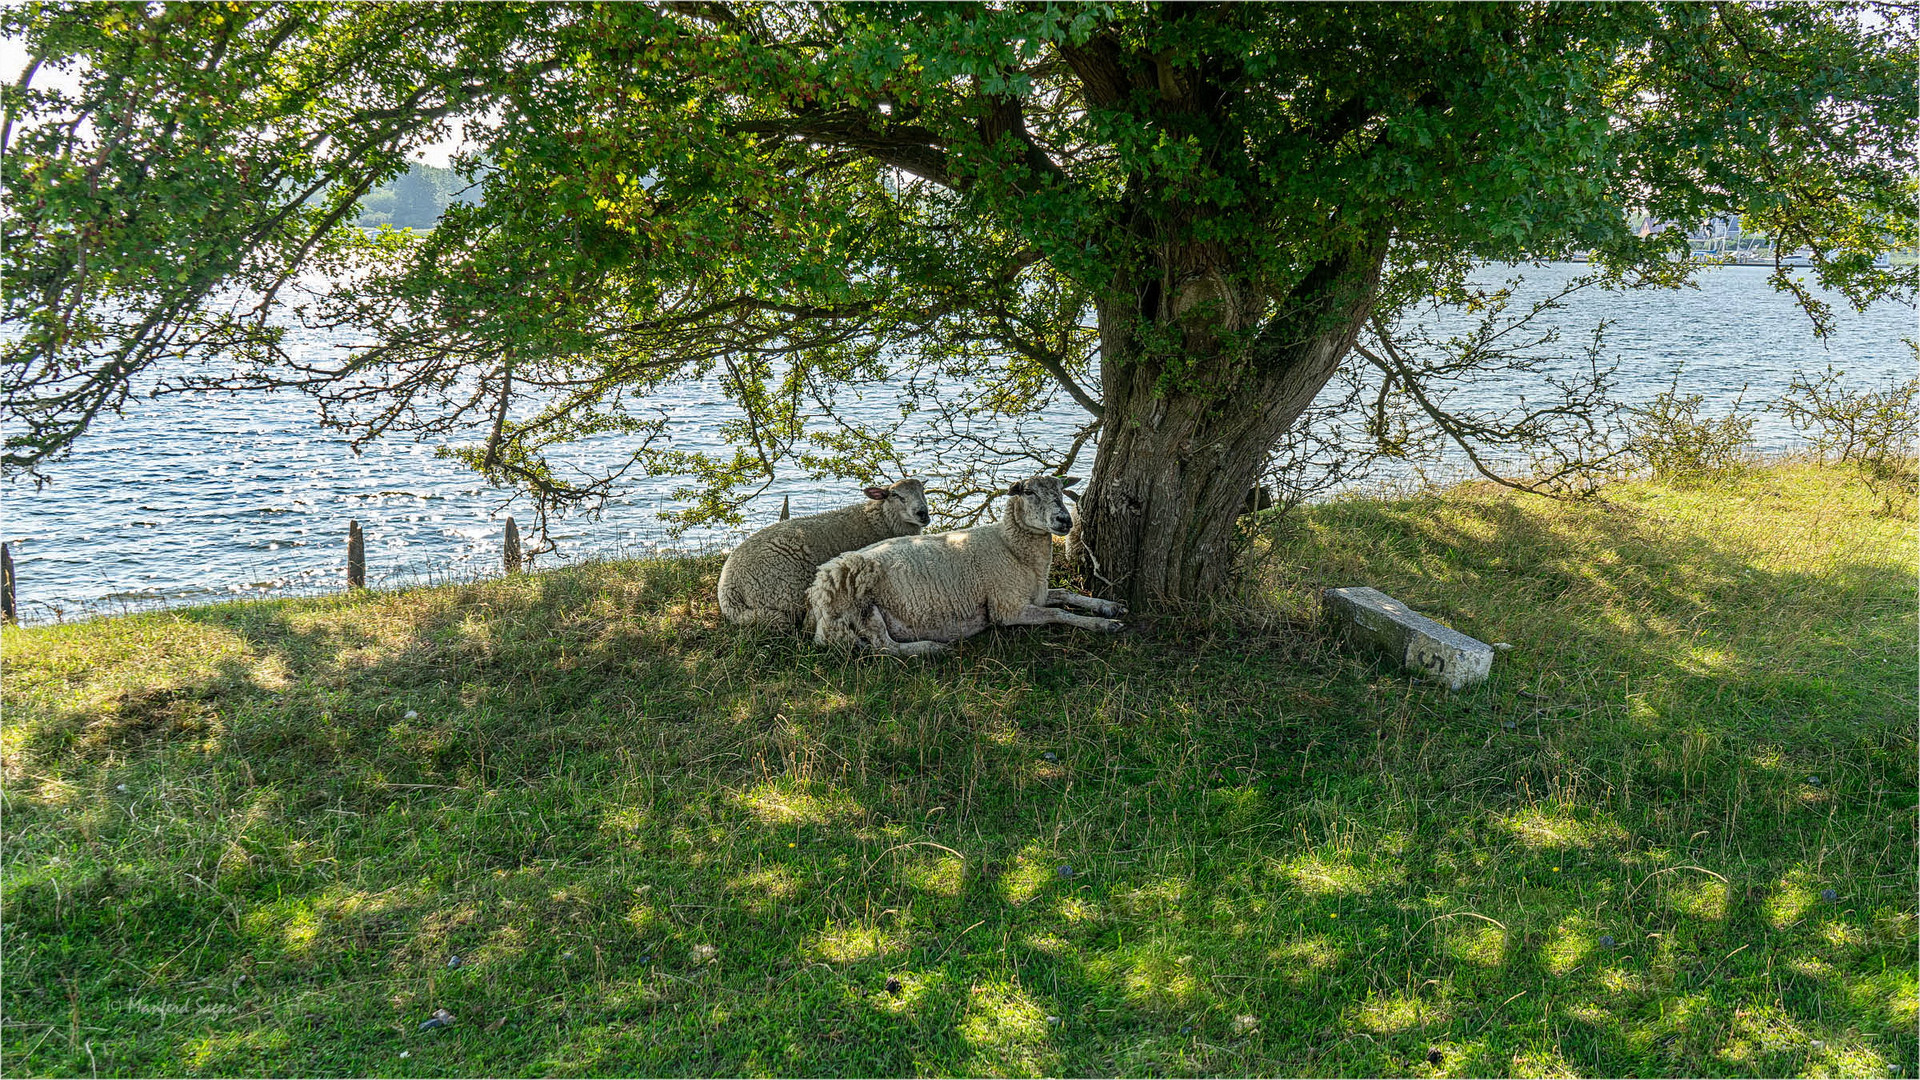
{"x": 1370, "y": 617}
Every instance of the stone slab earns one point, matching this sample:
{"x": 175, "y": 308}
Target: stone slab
{"x": 1370, "y": 617}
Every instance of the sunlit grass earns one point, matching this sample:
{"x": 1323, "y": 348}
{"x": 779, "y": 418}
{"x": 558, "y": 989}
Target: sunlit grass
{"x": 1673, "y": 834}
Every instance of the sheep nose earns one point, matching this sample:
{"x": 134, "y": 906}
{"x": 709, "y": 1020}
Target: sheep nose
{"x": 1062, "y": 524}
{"x": 924, "y": 517}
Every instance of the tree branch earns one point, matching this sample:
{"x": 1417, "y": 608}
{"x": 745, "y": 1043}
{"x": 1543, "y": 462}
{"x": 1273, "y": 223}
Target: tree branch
{"x": 1049, "y": 361}
{"x": 908, "y": 147}
{"x": 1101, "y": 68}
{"x": 1005, "y": 116}
{"x": 1396, "y": 367}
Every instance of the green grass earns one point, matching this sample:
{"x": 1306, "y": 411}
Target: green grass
{"x": 246, "y": 839}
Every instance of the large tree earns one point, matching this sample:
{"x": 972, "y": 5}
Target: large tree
{"x": 1182, "y": 216}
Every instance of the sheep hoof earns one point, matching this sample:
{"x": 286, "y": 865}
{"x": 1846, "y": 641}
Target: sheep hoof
{"x": 1113, "y": 626}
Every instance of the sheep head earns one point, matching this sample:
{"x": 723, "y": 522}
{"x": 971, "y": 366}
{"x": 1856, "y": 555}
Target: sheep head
{"x": 904, "y": 504}
{"x": 1039, "y": 504}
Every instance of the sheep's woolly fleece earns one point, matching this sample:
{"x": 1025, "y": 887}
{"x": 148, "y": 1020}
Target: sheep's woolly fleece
{"x": 765, "y": 580}
{"x": 912, "y": 595}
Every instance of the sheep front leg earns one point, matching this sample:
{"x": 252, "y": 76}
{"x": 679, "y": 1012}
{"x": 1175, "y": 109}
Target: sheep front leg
{"x": 1035, "y": 615}
{"x": 1069, "y": 598}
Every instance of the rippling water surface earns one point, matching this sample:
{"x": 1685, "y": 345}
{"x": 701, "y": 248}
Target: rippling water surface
{"x": 214, "y": 496}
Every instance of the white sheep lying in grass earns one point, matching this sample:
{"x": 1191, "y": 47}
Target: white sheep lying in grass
{"x": 765, "y": 580}
{"x": 914, "y": 594}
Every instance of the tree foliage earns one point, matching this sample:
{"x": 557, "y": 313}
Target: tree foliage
{"x": 1180, "y": 217}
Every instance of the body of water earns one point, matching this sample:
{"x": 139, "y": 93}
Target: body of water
{"x": 196, "y": 498}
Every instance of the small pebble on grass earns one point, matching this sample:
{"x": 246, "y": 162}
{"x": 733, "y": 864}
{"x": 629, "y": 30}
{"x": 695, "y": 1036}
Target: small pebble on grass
{"x": 441, "y": 1018}
{"x": 893, "y": 985}
{"x": 1829, "y": 894}
{"x": 1051, "y": 756}
{"x": 1606, "y": 941}
{"x": 1066, "y": 871}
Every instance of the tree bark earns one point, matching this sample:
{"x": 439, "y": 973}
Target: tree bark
{"x": 1190, "y": 427}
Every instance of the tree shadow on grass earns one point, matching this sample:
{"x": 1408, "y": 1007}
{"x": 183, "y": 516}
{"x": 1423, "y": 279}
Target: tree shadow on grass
{"x": 657, "y": 844}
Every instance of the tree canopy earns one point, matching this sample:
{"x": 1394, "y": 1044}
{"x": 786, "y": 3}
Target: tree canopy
{"x": 1180, "y": 216}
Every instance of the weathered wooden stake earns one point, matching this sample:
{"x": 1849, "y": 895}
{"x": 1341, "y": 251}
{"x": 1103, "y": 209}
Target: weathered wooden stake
{"x": 513, "y": 547}
{"x": 356, "y": 557}
{"x": 6, "y": 583}
{"x": 786, "y": 506}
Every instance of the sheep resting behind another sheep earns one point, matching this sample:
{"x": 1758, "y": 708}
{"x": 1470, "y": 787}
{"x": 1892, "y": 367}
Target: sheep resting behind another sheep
{"x": 765, "y": 580}
{"x": 912, "y": 595}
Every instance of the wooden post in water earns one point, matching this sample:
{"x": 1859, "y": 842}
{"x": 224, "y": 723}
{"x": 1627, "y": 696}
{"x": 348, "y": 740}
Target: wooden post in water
{"x": 356, "y": 557}
{"x": 513, "y": 547}
{"x": 6, "y": 583}
{"x": 786, "y": 506}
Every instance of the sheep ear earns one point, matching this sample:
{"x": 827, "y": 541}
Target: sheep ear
{"x": 1069, "y": 481}
{"x": 1071, "y": 496}
{"x": 1019, "y": 488}
{"x": 876, "y": 493}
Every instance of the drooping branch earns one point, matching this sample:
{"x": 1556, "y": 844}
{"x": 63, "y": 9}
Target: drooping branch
{"x": 268, "y": 207}
{"x": 1395, "y": 367}
{"x": 907, "y": 147}
{"x": 1573, "y": 432}
{"x": 1051, "y": 363}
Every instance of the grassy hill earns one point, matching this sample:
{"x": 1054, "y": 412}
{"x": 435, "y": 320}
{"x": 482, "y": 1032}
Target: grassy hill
{"x": 1674, "y": 834}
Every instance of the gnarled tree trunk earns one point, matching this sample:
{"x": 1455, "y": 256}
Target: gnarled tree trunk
{"x": 1179, "y": 451}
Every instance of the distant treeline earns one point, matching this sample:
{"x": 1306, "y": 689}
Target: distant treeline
{"x": 415, "y": 198}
